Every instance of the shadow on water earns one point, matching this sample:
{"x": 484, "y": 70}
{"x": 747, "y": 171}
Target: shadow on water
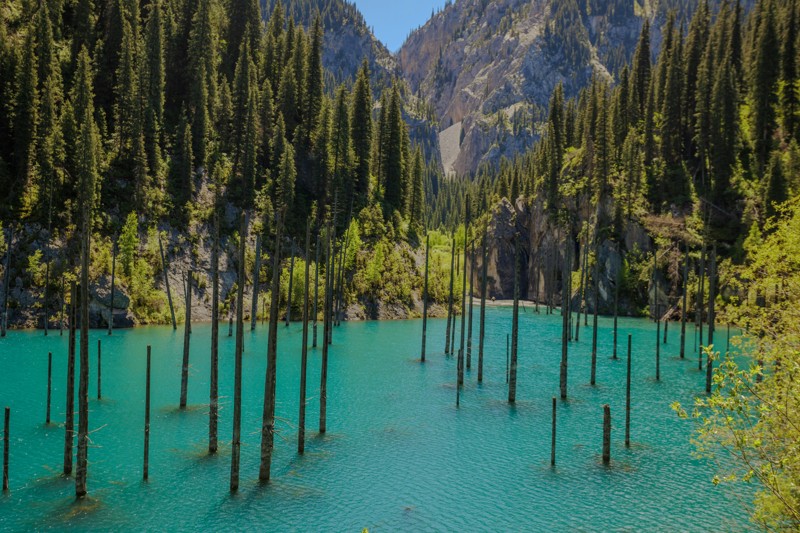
{"x": 201, "y": 408}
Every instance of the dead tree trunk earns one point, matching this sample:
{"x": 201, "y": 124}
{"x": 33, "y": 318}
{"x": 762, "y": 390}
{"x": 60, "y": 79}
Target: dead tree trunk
{"x": 628, "y": 398}
{"x": 657, "y": 317}
{"x": 316, "y": 288}
{"x": 49, "y": 384}
{"x": 564, "y": 334}
{"x": 326, "y": 327}
{"x": 712, "y": 295}
{"x": 146, "y": 468}
{"x": 482, "y": 333}
{"x": 616, "y": 311}
{"x": 6, "y": 428}
{"x": 291, "y": 281}
{"x": 187, "y": 340}
{"x": 425, "y": 298}
{"x": 256, "y": 285}
{"x": 268, "y": 416}
{"x": 236, "y": 442}
{"x": 113, "y": 286}
{"x": 512, "y": 373}
{"x": 685, "y": 293}
{"x": 213, "y": 411}
{"x": 471, "y": 301}
{"x": 6, "y": 280}
{"x": 301, "y": 425}
{"x": 463, "y": 298}
{"x": 450, "y": 298}
{"x": 596, "y": 282}
{"x": 553, "y": 439}
{"x": 606, "y": 434}
{"x": 166, "y": 283}
{"x": 83, "y": 382}
{"x": 700, "y": 306}
{"x": 581, "y": 289}
{"x": 99, "y": 371}
{"x": 69, "y": 424}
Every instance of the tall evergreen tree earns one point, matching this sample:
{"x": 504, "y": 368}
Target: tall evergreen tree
{"x": 764, "y": 76}
{"x": 361, "y": 132}
{"x": 393, "y": 164}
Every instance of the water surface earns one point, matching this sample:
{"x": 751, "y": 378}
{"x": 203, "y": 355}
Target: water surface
{"x": 398, "y": 454}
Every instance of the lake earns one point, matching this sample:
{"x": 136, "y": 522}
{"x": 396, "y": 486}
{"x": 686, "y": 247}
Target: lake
{"x": 398, "y": 454}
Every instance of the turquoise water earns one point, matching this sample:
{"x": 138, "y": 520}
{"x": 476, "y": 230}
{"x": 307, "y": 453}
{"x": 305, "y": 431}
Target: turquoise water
{"x": 398, "y": 454}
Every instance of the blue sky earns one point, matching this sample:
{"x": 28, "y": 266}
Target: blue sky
{"x": 392, "y": 20}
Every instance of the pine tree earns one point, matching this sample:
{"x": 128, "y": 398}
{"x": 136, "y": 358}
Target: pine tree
{"x": 244, "y": 27}
{"x": 342, "y": 149}
{"x": 775, "y": 188}
{"x": 181, "y": 172}
{"x": 361, "y": 132}
{"x": 764, "y": 76}
{"x": 675, "y": 180}
{"x": 154, "y": 84}
{"x": 314, "y": 82}
{"x": 417, "y": 207}
{"x": 789, "y": 99}
{"x": 640, "y": 76}
{"x": 556, "y": 144}
{"x": 204, "y": 55}
{"x": 692, "y": 60}
{"x": 25, "y": 120}
{"x": 393, "y": 165}
{"x": 287, "y": 100}
{"x": 245, "y": 120}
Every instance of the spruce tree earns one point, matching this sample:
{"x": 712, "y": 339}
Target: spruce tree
{"x": 393, "y": 156}
{"x": 789, "y": 99}
{"x": 361, "y": 132}
{"x": 764, "y": 75}
{"x": 25, "y": 120}
{"x": 342, "y": 149}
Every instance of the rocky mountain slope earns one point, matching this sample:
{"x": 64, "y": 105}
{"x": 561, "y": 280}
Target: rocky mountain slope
{"x": 488, "y": 67}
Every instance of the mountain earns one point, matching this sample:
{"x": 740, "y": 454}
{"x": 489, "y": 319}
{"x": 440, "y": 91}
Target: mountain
{"x": 488, "y": 67}
{"x": 348, "y": 39}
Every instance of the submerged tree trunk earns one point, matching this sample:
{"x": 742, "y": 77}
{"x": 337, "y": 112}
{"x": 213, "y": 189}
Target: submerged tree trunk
{"x": 712, "y": 295}
{"x": 606, "y": 434}
{"x": 596, "y": 283}
{"x": 113, "y": 280}
{"x": 512, "y": 372}
{"x": 564, "y": 329}
{"x": 213, "y": 396}
{"x": 316, "y": 287}
{"x": 99, "y": 371}
{"x": 326, "y": 327}
{"x": 186, "y": 341}
{"x": 268, "y": 416}
{"x": 425, "y": 298}
{"x": 482, "y": 333}
{"x": 463, "y": 298}
{"x": 6, "y": 280}
{"x": 166, "y": 283}
{"x": 236, "y": 442}
{"x": 700, "y": 306}
{"x": 471, "y": 301}
{"x": 83, "y": 381}
{"x": 256, "y": 285}
{"x": 301, "y": 425}
{"x": 450, "y": 298}
{"x": 69, "y": 424}
{"x": 685, "y": 293}
{"x": 146, "y": 468}
{"x": 49, "y": 384}
{"x": 291, "y": 281}
{"x": 628, "y": 397}
{"x": 657, "y": 316}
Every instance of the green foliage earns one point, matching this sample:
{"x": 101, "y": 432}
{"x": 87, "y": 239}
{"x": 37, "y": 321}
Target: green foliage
{"x": 129, "y": 243}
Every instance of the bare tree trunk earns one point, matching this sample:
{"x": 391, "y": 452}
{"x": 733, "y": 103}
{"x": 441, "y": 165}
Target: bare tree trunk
{"x": 61, "y": 316}
{"x": 69, "y": 424}
{"x": 301, "y": 425}
{"x": 256, "y": 285}
{"x": 187, "y": 340}
{"x": 6, "y": 423}
{"x": 236, "y": 442}
{"x": 564, "y": 328}
{"x": 166, "y": 283}
{"x": 463, "y": 298}
{"x": 471, "y": 301}
{"x": 685, "y": 293}
{"x": 289, "y": 293}
{"x": 553, "y": 439}
{"x": 316, "y": 288}
{"x": 146, "y": 468}
{"x": 482, "y": 333}
{"x": 616, "y": 311}
{"x": 113, "y": 281}
{"x": 657, "y": 317}
{"x": 628, "y": 398}
{"x": 596, "y": 283}
{"x": 712, "y": 295}
{"x": 83, "y": 383}
{"x": 6, "y": 280}
{"x": 213, "y": 411}
{"x": 326, "y": 327}
{"x": 268, "y": 417}
{"x": 49, "y": 384}
{"x": 701, "y": 305}
{"x": 425, "y": 298}
{"x": 512, "y": 374}
{"x": 450, "y": 299}
{"x": 606, "y": 434}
